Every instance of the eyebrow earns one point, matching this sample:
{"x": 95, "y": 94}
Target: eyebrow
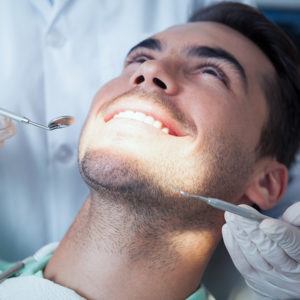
{"x": 150, "y": 43}
{"x": 219, "y": 53}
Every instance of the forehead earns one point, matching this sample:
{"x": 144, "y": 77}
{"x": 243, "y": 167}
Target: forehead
{"x": 179, "y": 37}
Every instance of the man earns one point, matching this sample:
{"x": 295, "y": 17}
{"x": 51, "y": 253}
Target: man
{"x": 190, "y": 109}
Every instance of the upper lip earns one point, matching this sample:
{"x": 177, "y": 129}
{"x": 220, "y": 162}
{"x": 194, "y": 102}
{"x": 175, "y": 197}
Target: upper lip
{"x": 156, "y": 111}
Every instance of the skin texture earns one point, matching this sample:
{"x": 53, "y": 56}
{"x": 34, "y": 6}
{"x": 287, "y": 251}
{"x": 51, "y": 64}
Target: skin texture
{"x": 135, "y": 237}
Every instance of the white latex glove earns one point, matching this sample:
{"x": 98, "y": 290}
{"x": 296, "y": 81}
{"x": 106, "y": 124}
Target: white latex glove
{"x": 7, "y": 129}
{"x": 266, "y": 253}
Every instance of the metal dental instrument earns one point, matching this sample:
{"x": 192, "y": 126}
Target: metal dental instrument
{"x": 223, "y": 205}
{"x": 14, "y": 268}
{"x": 59, "y": 122}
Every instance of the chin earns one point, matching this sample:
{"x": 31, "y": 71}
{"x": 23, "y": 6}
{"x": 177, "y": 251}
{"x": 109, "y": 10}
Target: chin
{"x": 117, "y": 175}
{"x": 124, "y": 181}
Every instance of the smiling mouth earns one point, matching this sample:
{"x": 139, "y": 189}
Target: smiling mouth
{"x": 139, "y": 116}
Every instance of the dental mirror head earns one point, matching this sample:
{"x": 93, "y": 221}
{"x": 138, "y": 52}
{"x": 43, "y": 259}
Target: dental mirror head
{"x": 61, "y": 122}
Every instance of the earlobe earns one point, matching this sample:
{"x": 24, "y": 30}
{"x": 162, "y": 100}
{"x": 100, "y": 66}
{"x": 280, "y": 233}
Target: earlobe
{"x": 268, "y": 184}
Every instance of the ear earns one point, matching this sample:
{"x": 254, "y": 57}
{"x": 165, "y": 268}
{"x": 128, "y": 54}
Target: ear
{"x": 268, "y": 184}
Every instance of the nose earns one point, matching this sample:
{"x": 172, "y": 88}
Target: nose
{"x": 153, "y": 75}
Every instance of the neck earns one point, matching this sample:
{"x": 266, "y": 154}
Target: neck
{"x": 111, "y": 252}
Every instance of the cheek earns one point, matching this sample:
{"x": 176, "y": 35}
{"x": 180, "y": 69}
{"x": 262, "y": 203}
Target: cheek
{"x": 215, "y": 113}
{"x": 219, "y": 117}
{"x": 109, "y": 91}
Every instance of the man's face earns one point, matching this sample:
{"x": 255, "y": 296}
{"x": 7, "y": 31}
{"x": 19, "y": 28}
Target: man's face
{"x": 187, "y": 110}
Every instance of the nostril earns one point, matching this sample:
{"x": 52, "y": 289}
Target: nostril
{"x": 159, "y": 83}
{"x": 140, "y": 79}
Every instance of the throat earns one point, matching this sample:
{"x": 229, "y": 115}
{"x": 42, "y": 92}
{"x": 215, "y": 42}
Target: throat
{"x": 112, "y": 252}
{"x": 137, "y": 237}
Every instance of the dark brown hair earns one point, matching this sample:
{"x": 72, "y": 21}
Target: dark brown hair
{"x": 280, "y": 136}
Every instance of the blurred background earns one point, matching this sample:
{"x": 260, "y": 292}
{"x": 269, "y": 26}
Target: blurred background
{"x": 286, "y": 13}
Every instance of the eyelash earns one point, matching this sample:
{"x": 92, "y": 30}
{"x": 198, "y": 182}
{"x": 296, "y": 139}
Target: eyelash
{"x": 213, "y": 68}
{"x": 138, "y": 57}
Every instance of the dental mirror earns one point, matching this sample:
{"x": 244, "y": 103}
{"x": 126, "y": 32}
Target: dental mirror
{"x": 59, "y": 122}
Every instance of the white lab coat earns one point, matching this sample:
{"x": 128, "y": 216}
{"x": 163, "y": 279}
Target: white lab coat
{"x": 53, "y": 58}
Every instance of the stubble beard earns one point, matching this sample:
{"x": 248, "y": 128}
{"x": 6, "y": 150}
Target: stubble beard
{"x": 149, "y": 212}
{"x": 149, "y": 217}
{"x": 127, "y": 182}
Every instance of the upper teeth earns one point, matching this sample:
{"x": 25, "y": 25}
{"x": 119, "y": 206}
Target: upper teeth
{"x": 139, "y": 116}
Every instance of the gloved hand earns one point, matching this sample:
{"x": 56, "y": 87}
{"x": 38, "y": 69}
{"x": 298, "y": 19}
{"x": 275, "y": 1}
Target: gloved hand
{"x": 7, "y": 129}
{"x": 266, "y": 253}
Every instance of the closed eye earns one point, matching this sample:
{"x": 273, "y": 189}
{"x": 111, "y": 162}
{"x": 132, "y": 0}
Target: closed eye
{"x": 137, "y": 57}
{"x": 214, "y": 70}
